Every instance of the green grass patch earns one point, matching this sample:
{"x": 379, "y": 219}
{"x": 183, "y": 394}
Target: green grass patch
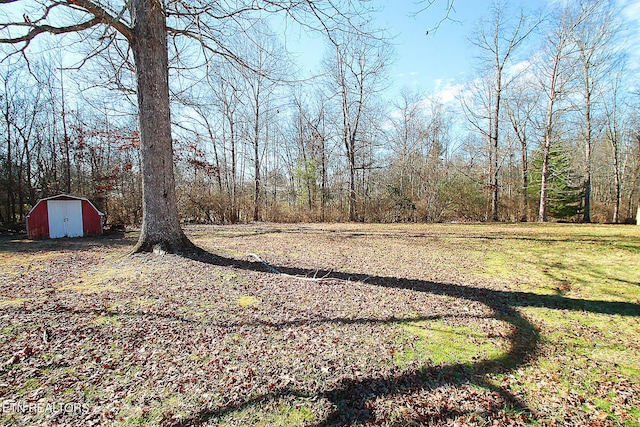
{"x": 247, "y": 301}
{"x": 282, "y": 414}
{"x": 439, "y": 342}
{"x": 610, "y": 340}
{"x": 590, "y": 262}
{"x": 12, "y": 302}
{"x": 107, "y": 321}
{"x": 8, "y": 330}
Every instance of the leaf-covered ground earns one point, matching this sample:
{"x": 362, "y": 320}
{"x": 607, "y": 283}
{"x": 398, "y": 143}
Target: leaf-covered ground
{"x": 409, "y": 325}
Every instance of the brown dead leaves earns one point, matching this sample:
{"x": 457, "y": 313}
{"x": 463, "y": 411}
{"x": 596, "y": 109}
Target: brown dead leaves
{"x": 165, "y": 340}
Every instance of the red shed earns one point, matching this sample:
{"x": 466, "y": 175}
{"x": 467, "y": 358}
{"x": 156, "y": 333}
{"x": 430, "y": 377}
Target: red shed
{"x": 64, "y": 216}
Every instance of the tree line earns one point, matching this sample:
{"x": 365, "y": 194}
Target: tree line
{"x": 546, "y": 129}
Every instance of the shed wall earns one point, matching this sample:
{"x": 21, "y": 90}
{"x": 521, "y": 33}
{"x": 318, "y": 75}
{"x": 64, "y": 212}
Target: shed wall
{"x": 38, "y": 221}
{"x": 91, "y": 220}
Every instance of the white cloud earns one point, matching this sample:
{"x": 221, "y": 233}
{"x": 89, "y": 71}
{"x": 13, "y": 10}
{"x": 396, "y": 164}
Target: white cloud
{"x": 631, "y": 11}
{"x": 518, "y": 67}
{"x": 440, "y": 84}
{"x": 449, "y": 93}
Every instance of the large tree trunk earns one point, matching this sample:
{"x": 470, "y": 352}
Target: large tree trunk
{"x": 616, "y": 177}
{"x": 160, "y": 224}
{"x": 494, "y": 145}
{"x": 588, "y": 141}
{"x": 256, "y": 158}
{"x": 548, "y": 128}
{"x": 542, "y": 211}
{"x": 353, "y": 215}
{"x": 525, "y": 184}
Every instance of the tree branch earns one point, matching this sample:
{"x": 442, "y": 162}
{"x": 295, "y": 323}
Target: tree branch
{"x": 107, "y": 18}
{"x": 40, "y": 29}
{"x": 37, "y": 26}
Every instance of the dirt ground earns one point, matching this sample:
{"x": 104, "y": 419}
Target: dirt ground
{"x": 342, "y": 324}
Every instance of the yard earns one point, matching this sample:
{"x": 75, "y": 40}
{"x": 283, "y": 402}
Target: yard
{"x": 442, "y": 324}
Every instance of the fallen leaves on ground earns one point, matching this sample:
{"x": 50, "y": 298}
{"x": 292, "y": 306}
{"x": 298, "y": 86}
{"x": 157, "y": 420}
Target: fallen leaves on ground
{"x": 171, "y": 341}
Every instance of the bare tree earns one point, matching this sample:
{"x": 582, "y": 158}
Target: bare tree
{"x": 144, "y": 25}
{"x": 227, "y": 91}
{"x": 312, "y": 137}
{"x": 554, "y": 73}
{"x": 520, "y": 104}
{"x": 356, "y": 68}
{"x": 8, "y": 124}
{"x": 21, "y": 107}
{"x": 497, "y": 42}
{"x": 409, "y": 128}
{"x": 614, "y": 130}
{"x": 270, "y": 63}
{"x": 594, "y": 37}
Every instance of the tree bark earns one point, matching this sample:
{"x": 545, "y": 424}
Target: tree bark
{"x": 352, "y": 184}
{"x": 548, "y": 129}
{"x": 525, "y": 185}
{"x": 495, "y": 146}
{"x": 256, "y": 156}
{"x": 587, "y": 148}
{"x": 542, "y": 211}
{"x": 161, "y": 229}
{"x": 616, "y": 177}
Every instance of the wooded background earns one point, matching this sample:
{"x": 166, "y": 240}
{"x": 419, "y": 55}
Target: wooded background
{"x": 552, "y": 110}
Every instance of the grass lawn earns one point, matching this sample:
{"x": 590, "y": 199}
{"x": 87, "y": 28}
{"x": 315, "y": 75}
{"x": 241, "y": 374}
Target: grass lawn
{"x": 443, "y": 324}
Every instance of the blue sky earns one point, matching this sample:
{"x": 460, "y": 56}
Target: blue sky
{"x": 425, "y": 61}
{"x": 443, "y": 59}
{"x": 443, "y": 56}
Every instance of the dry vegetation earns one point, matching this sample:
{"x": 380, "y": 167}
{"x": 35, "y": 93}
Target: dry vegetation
{"x": 411, "y": 325}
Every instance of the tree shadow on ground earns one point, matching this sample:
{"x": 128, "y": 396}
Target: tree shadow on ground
{"x": 22, "y": 243}
{"x": 350, "y": 398}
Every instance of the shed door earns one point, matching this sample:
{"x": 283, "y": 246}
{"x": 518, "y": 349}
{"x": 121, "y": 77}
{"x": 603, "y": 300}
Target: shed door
{"x": 65, "y": 218}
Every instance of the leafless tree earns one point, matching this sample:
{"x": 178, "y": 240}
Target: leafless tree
{"x": 356, "y": 68}
{"x": 594, "y": 38}
{"x": 144, "y": 26}
{"x": 614, "y": 133}
{"x": 270, "y": 63}
{"x": 498, "y": 41}
{"x": 521, "y": 104}
{"x": 554, "y": 73}
{"x": 409, "y": 128}
{"x": 22, "y": 103}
